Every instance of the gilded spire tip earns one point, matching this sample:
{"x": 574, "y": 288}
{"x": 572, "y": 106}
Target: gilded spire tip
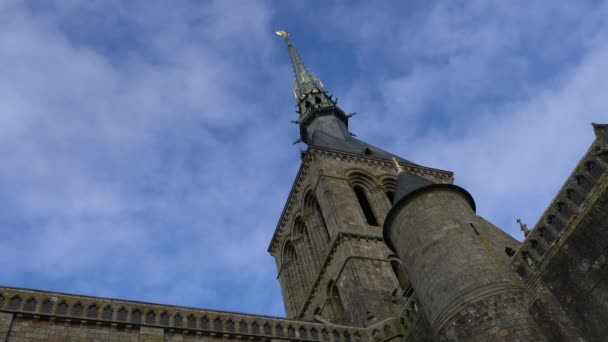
{"x": 283, "y": 34}
{"x": 399, "y": 168}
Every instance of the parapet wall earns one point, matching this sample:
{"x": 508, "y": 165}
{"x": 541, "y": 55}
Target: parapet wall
{"x": 31, "y": 315}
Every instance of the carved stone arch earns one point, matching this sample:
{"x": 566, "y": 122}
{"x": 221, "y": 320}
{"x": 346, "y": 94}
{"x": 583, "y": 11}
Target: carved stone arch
{"x": 178, "y": 320}
{"x": 594, "y": 169}
{"x": 306, "y": 249}
{"x": 217, "y": 324}
{"x": 291, "y": 275}
{"x": 77, "y": 309}
{"x": 366, "y": 191}
{"x": 267, "y": 329}
{"x": 107, "y": 313}
{"x": 362, "y": 178}
{"x": 151, "y": 317}
{"x": 230, "y": 326}
{"x": 62, "y": 308}
{"x": 399, "y": 271}
{"x": 255, "y": 328}
{"x": 335, "y": 302}
{"x": 136, "y": 316}
{"x": 329, "y": 287}
{"x": 164, "y": 318}
{"x": 92, "y": 311}
{"x": 389, "y": 184}
{"x": 30, "y": 304}
{"x": 243, "y": 326}
{"x": 298, "y": 229}
{"x": 122, "y": 314}
{"x": 288, "y": 252}
{"x": 313, "y": 217}
{"x": 204, "y": 322}
{"x": 14, "y": 303}
{"x": 305, "y": 205}
{"x": 47, "y": 306}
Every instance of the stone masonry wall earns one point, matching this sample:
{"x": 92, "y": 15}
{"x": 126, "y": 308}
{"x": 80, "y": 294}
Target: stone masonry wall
{"x": 39, "y": 316}
{"x": 357, "y": 267}
{"x": 460, "y": 285}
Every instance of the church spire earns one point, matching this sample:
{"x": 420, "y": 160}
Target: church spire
{"x": 306, "y": 81}
{"x": 312, "y": 99}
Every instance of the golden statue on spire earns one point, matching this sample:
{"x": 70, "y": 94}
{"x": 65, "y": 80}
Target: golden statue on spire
{"x": 283, "y": 34}
{"x": 399, "y": 168}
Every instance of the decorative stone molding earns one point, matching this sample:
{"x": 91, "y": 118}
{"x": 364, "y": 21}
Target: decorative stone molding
{"x": 292, "y": 203}
{"x": 556, "y": 222}
{"x": 154, "y": 318}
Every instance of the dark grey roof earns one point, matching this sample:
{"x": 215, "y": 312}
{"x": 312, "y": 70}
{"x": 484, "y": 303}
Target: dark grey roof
{"x": 351, "y": 145}
{"x": 408, "y": 183}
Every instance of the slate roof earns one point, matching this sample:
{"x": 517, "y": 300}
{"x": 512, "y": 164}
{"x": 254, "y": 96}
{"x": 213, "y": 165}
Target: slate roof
{"x": 408, "y": 183}
{"x": 352, "y": 145}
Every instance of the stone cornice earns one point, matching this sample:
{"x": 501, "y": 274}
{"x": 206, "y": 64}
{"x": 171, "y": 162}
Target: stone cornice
{"x": 527, "y": 255}
{"x": 34, "y": 305}
{"x": 44, "y": 305}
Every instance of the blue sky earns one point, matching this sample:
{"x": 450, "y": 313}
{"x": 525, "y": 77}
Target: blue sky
{"x": 146, "y": 145}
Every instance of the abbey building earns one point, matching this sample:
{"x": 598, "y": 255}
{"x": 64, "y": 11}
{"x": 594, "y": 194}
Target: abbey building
{"x": 371, "y": 246}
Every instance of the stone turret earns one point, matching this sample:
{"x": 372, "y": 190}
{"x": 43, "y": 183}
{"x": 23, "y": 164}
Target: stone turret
{"x": 465, "y": 293}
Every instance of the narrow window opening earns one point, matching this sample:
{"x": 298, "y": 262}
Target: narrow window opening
{"x": 317, "y": 99}
{"x": 47, "y": 306}
{"x": 510, "y": 251}
{"x": 474, "y": 228}
{"x": 336, "y": 304}
{"x": 92, "y": 311}
{"x": 367, "y": 209}
{"x": 400, "y": 274}
{"x": 122, "y": 314}
{"x": 390, "y": 195}
{"x": 107, "y": 313}
{"x": 30, "y": 305}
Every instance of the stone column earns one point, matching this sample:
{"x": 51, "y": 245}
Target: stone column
{"x": 465, "y": 295}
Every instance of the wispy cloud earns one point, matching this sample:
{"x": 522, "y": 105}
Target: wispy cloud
{"x": 146, "y": 147}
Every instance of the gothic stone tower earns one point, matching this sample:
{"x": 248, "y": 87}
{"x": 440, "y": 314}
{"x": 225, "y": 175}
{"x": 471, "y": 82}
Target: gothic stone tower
{"x": 332, "y": 260}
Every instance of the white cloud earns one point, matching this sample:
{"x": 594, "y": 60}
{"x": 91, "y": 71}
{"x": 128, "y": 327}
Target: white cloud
{"x": 146, "y": 149}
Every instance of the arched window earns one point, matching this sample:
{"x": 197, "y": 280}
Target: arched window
{"x": 335, "y": 302}
{"x": 400, "y": 272}
{"x": 318, "y": 228}
{"x": 292, "y": 276}
{"x": 309, "y": 252}
{"x": 177, "y": 320}
{"x": 136, "y": 316}
{"x": 77, "y": 310}
{"x": 62, "y": 308}
{"x": 92, "y": 311}
{"x": 107, "y": 313}
{"x": 164, "y": 319}
{"x": 30, "y": 305}
{"x": 365, "y": 206}
{"x": 47, "y": 306}
{"x": 14, "y": 303}
{"x": 151, "y": 317}
{"x": 389, "y": 184}
{"x": 122, "y": 314}
{"x": 391, "y": 196}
